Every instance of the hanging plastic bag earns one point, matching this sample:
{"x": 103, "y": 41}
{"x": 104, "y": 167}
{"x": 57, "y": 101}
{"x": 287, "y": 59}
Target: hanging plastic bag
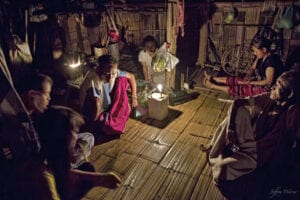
{"x": 286, "y": 21}
{"x": 20, "y": 54}
{"x": 164, "y": 60}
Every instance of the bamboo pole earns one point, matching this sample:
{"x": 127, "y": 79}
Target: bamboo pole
{"x": 202, "y": 52}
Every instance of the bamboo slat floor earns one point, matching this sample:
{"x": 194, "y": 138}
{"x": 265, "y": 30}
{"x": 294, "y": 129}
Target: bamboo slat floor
{"x": 164, "y": 163}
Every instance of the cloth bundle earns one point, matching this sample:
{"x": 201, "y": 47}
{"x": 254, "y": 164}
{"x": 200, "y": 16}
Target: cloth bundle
{"x": 21, "y": 53}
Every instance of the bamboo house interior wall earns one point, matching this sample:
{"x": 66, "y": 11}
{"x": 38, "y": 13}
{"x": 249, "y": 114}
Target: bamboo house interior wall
{"x": 138, "y": 19}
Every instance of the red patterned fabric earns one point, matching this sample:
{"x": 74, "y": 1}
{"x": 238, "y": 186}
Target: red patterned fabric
{"x": 242, "y": 90}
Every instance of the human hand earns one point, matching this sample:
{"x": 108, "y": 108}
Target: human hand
{"x": 147, "y": 80}
{"x": 108, "y": 180}
{"x": 244, "y": 82}
{"x": 134, "y": 102}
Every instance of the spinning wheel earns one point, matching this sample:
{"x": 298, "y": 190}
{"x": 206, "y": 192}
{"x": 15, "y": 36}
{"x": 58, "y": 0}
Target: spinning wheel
{"x": 237, "y": 60}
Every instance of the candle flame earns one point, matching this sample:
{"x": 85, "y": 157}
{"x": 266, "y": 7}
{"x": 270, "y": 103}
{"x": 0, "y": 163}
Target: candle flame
{"x": 75, "y": 65}
{"x": 160, "y": 87}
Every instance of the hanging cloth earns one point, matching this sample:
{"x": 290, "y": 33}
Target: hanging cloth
{"x": 286, "y": 21}
{"x": 180, "y": 18}
{"x": 20, "y": 53}
{"x": 114, "y": 36}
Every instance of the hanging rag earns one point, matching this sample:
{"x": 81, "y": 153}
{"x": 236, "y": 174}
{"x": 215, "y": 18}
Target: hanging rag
{"x": 19, "y": 52}
{"x": 286, "y": 21}
{"x": 114, "y": 36}
{"x": 179, "y": 27}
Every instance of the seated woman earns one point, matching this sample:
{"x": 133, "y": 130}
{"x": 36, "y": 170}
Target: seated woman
{"x": 259, "y": 132}
{"x": 58, "y": 129}
{"x": 260, "y": 77}
{"x": 103, "y": 97}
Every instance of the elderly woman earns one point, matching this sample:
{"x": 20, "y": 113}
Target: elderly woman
{"x": 259, "y": 131}
{"x": 260, "y": 77}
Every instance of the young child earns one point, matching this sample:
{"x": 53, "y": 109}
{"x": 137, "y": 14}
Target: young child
{"x": 58, "y": 129}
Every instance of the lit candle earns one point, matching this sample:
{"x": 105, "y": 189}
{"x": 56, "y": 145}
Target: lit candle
{"x": 75, "y": 65}
{"x": 160, "y": 87}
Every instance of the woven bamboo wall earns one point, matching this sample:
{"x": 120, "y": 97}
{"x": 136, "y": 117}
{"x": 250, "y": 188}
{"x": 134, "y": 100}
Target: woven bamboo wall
{"x": 152, "y": 20}
{"x": 139, "y": 24}
{"x": 251, "y": 17}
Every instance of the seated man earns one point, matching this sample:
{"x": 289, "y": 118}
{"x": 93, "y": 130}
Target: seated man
{"x": 103, "y": 97}
{"x": 259, "y": 132}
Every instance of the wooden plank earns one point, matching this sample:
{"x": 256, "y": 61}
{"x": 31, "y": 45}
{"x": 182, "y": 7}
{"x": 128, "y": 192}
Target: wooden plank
{"x": 212, "y": 100}
{"x": 138, "y": 146}
{"x": 155, "y": 152}
{"x": 166, "y": 137}
{"x": 98, "y": 150}
{"x": 142, "y": 131}
{"x": 207, "y": 116}
{"x": 133, "y": 181}
{"x": 207, "y": 170}
{"x": 132, "y": 134}
{"x": 118, "y": 149}
{"x": 130, "y": 124}
{"x": 103, "y": 163}
{"x": 123, "y": 163}
{"x": 201, "y": 188}
{"x": 148, "y": 133}
{"x": 194, "y": 104}
{"x": 188, "y": 109}
{"x": 176, "y": 186}
{"x": 173, "y": 114}
{"x": 153, "y": 184}
{"x": 198, "y": 130}
{"x": 184, "y": 159}
{"x": 213, "y": 193}
{"x": 193, "y": 140}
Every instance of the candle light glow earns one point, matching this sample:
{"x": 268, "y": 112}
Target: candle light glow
{"x": 75, "y": 65}
{"x": 160, "y": 87}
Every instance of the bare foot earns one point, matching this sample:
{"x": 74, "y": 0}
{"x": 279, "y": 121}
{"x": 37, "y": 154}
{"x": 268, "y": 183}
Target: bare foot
{"x": 205, "y": 148}
{"x": 208, "y": 83}
{"x": 207, "y": 76}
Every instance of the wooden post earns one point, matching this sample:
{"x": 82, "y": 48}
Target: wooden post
{"x": 202, "y": 52}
